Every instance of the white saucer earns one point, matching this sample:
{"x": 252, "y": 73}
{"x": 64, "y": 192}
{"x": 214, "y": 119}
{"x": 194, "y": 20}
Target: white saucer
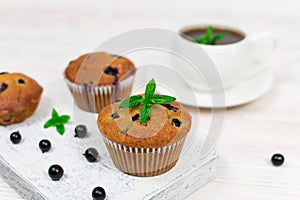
{"x": 245, "y": 92}
{"x": 172, "y": 83}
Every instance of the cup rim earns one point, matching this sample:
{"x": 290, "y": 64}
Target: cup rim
{"x": 220, "y": 26}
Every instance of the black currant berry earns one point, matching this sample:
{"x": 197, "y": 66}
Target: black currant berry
{"x": 91, "y": 154}
{"x": 98, "y": 193}
{"x": 111, "y": 71}
{"x": 115, "y": 115}
{"x": 15, "y": 137}
{"x": 176, "y": 122}
{"x": 45, "y": 145}
{"x": 21, "y": 81}
{"x": 135, "y": 117}
{"x": 55, "y": 172}
{"x": 3, "y": 87}
{"x": 277, "y": 159}
{"x": 80, "y": 131}
{"x": 170, "y": 107}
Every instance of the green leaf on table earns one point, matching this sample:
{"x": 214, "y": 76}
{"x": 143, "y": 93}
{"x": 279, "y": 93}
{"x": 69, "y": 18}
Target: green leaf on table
{"x": 49, "y": 123}
{"x": 57, "y": 121}
{"x": 54, "y": 114}
{"x": 64, "y": 119}
{"x": 60, "y": 129}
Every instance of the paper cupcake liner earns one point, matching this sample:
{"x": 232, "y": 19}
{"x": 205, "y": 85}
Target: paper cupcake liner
{"x": 144, "y": 162}
{"x": 94, "y": 98}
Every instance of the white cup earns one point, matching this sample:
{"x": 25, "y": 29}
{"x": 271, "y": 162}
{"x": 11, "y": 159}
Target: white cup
{"x": 235, "y": 62}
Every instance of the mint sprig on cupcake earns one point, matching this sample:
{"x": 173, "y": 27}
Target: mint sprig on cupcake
{"x": 147, "y": 101}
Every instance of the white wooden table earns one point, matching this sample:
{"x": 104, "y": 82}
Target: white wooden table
{"x": 40, "y": 38}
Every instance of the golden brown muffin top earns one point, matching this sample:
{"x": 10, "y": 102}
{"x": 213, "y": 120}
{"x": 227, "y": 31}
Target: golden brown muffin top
{"x": 168, "y": 124}
{"x": 17, "y": 92}
{"x": 99, "y": 68}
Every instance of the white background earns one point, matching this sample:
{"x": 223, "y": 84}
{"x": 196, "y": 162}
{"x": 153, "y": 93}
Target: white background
{"x": 39, "y": 38}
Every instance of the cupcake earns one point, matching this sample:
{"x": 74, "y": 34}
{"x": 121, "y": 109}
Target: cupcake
{"x": 144, "y": 134}
{"x": 19, "y": 97}
{"x": 99, "y": 79}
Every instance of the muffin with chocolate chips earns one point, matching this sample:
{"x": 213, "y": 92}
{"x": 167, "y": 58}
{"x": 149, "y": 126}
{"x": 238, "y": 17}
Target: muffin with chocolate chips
{"x": 143, "y": 138}
{"x": 19, "y": 97}
{"x": 99, "y": 79}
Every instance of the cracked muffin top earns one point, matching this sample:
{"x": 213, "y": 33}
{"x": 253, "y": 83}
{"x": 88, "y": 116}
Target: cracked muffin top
{"x": 99, "y": 68}
{"x": 19, "y": 97}
{"x": 168, "y": 124}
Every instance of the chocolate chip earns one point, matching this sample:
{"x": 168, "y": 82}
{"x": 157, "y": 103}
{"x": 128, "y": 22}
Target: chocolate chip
{"x": 170, "y": 107}
{"x": 115, "y": 115}
{"x": 3, "y": 87}
{"x": 3, "y": 73}
{"x": 21, "y": 81}
{"x": 111, "y": 71}
{"x": 135, "y": 117}
{"x": 176, "y": 122}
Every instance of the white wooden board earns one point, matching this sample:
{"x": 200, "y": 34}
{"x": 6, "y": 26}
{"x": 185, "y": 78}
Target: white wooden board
{"x": 25, "y": 168}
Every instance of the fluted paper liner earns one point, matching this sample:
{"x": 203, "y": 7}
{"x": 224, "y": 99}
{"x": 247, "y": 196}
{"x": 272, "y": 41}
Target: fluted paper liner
{"x": 144, "y": 162}
{"x": 94, "y": 98}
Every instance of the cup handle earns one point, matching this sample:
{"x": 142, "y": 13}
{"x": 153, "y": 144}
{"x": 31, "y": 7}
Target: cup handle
{"x": 260, "y": 63}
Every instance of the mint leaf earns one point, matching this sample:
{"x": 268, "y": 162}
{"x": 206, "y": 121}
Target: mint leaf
{"x": 49, "y": 123}
{"x": 54, "y": 114}
{"x": 208, "y": 35}
{"x": 147, "y": 102}
{"x": 150, "y": 89}
{"x": 57, "y": 121}
{"x": 218, "y": 37}
{"x": 208, "y": 39}
{"x": 201, "y": 39}
{"x": 131, "y": 102}
{"x": 64, "y": 119}
{"x": 162, "y": 99}
{"x": 60, "y": 129}
{"x": 145, "y": 112}
{"x": 125, "y": 103}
